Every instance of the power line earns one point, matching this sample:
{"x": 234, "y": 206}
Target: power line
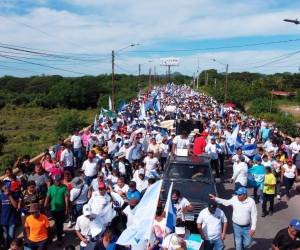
{"x": 215, "y": 48}
{"x": 42, "y": 65}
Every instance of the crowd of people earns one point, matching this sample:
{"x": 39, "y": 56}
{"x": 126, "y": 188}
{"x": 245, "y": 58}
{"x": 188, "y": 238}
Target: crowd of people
{"x": 94, "y": 181}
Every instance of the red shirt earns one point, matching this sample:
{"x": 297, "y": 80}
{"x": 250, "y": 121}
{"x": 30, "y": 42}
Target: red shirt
{"x": 199, "y": 145}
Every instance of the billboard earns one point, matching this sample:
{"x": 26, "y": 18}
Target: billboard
{"x": 170, "y": 61}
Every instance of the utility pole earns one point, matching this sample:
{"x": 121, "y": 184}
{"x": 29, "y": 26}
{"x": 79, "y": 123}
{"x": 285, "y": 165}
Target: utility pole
{"x": 215, "y": 83}
{"x": 197, "y": 79}
{"x": 139, "y": 78}
{"x": 226, "y": 84}
{"x": 150, "y": 78}
{"x": 113, "y": 87}
{"x": 169, "y": 73}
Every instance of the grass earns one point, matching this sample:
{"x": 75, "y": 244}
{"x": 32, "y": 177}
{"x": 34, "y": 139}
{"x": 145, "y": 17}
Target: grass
{"x": 30, "y": 130}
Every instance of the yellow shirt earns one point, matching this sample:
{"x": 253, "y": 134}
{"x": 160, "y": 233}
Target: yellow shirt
{"x": 269, "y": 179}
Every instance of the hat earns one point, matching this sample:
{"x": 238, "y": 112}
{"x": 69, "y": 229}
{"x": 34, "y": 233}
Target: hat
{"x": 180, "y": 230}
{"x": 77, "y": 182}
{"x": 57, "y": 178}
{"x": 121, "y": 155}
{"x": 101, "y": 185}
{"x": 141, "y": 171}
{"x": 107, "y": 161}
{"x": 256, "y": 158}
{"x": 241, "y": 191}
{"x": 86, "y": 210}
{"x": 34, "y": 207}
{"x": 91, "y": 155}
{"x": 289, "y": 160}
{"x": 126, "y": 141}
{"x": 295, "y": 223}
{"x": 196, "y": 131}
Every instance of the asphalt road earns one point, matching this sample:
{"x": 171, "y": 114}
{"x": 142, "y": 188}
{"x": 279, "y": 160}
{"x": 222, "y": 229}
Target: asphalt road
{"x": 267, "y": 227}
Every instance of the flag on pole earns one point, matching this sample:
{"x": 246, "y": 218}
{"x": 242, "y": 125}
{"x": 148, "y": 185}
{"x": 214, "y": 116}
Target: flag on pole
{"x": 249, "y": 149}
{"x": 101, "y": 117}
{"x": 233, "y": 139}
{"x": 170, "y": 211}
{"x": 142, "y": 114}
{"x": 95, "y": 123}
{"x": 109, "y": 103}
{"x": 143, "y": 217}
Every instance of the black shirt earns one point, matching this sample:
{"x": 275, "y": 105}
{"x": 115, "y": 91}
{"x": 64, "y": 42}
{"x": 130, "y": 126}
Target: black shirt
{"x": 27, "y": 170}
{"x": 284, "y": 242}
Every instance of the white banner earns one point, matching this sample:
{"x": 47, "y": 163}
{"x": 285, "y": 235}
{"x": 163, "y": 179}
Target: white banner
{"x": 170, "y": 61}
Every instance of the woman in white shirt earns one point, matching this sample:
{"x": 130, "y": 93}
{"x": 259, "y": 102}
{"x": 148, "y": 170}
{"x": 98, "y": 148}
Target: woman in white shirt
{"x": 288, "y": 175}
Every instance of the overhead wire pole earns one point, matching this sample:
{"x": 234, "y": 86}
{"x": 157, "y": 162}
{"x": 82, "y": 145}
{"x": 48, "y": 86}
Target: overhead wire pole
{"x": 113, "y": 87}
{"x": 226, "y": 79}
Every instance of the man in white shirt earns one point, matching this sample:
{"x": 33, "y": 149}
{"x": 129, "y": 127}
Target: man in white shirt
{"x": 240, "y": 173}
{"x": 113, "y": 145}
{"x": 77, "y": 147}
{"x": 90, "y": 168}
{"x": 180, "y": 143}
{"x": 128, "y": 211}
{"x": 82, "y": 227}
{"x": 141, "y": 180}
{"x": 181, "y": 204}
{"x": 176, "y": 240}
{"x": 295, "y": 146}
{"x": 66, "y": 159}
{"x": 244, "y": 217}
{"x": 78, "y": 195}
{"x": 213, "y": 149}
{"x": 151, "y": 164}
{"x": 212, "y": 226}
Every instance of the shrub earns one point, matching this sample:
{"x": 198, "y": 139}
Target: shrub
{"x": 70, "y": 122}
{"x": 261, "y": 105}
{"x": 3, "y": 140}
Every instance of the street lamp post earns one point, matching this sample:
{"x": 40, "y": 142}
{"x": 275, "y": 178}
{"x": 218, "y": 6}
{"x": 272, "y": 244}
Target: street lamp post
{"x": 113, "y": 86}
{"x": 226, "y": 79}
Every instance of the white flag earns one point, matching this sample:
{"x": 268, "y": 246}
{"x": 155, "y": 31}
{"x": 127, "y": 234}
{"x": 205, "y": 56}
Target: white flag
{"x": 109, "y": 104}
{"x": 143, "y": 217}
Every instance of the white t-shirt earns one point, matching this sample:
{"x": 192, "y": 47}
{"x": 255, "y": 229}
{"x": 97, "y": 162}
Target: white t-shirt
{"x": 295, "y": 147}
{"x": 83, "y": 226}
{"x": 181, "y": 143}
{"x": 212, "y": 223}
{"x": 172, "y": 242}
{"x": 112, "y": 146}
{"x": 240, "y": 173}
{"x": 182, "y": 203}
{"x": 66, "y": 158}
{"x": 90, "y": 167}
{"x": 289, "y": 172}
{"x": 124, "y": 189}
{"x": 150, "y": 164}
{"x": 122, "y": 168}
{"x": 128, "y": 212}
{"x": 82, "y": 199}
{"x": 76, "y": 140}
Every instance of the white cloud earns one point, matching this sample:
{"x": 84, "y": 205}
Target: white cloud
{"x": 112, "y": 24}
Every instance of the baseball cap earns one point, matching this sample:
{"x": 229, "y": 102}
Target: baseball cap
{"x": 289, "y": 160}
{"x": 180, "y": 230}
{"x": 91, "y": 155}
{"x": 101, "y": 185}
{"x": 107, "y": 161}
{"x": 295, "y": 223}
{"x": 256, "y": 158}
{"x": 86, "y": 210}
{"x": 241, "y": 191}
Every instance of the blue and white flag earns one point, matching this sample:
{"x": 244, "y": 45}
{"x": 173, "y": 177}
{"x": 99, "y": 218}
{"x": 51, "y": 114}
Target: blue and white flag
{"x": 101, "y": 116}
{"x": 142, "y": 114}
{"x": 143, "y": 217}
{"x": 234, "y": 141}
{"x": 170, "y": 211}
{"x": 249, "y": 149}
{"x": 156, "y": 104}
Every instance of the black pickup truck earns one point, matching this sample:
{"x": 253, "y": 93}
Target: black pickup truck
{"x": 193, "y": 177}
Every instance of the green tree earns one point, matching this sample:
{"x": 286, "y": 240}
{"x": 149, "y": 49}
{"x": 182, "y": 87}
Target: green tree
{"x": 70, "y": 122}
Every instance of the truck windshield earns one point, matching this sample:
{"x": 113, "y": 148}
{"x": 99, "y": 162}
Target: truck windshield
{"x": 188, "y": 171}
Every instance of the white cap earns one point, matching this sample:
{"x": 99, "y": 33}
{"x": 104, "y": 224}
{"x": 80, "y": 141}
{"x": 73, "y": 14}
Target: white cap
{"x": 141, "y": 171}
{"x": 107, "y": 161}
{"x": 86, "y": 210}
{"x": 180, "y": 230}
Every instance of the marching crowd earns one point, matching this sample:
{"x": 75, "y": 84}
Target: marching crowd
{"x": 94, "y": 181}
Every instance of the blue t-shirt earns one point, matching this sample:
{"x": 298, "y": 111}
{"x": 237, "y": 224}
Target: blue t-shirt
{"x": 8, "y": 212}
{"x": 134, "y": 195}
{"x": 265, "y": 133}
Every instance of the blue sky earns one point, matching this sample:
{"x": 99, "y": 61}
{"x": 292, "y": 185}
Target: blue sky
{"x": 82, "y": 33}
